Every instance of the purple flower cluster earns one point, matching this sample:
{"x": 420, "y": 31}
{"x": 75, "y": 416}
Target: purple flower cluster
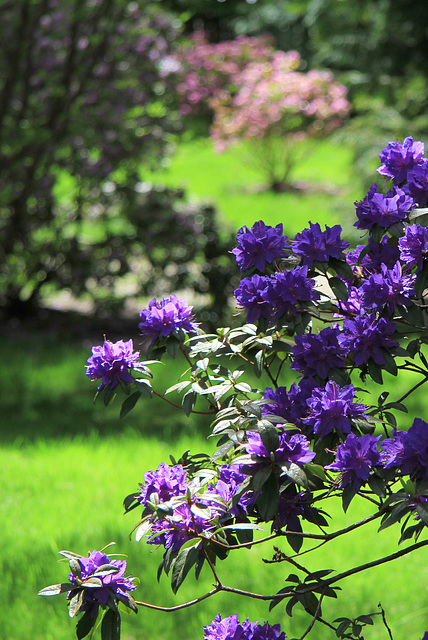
{"x": 333, "y": 408}
{"x": 187, "y": 509}
{"x": 166, "y": 317}
{"x": 408, "y": 450}
{"x": 292, "y": 448}
{"x": 383, "y": 210}
{"x": 316, "y": 354}
{"x": 259, "y": 245}
{"x": 367, "y": 336}
{"x": 272, "y": 297}
{"x": 398, "y": 159}
{"x": 231, "y": 629}
{"x": 109, "y": 580}
{"x": 113, "y": 362}
{"x": 355, "y": 458}
{"x": 315, "y": 245}
{"x": 414, "y": 246}
{"x": 290, "y": 405}
{"x": 390, "y": 288}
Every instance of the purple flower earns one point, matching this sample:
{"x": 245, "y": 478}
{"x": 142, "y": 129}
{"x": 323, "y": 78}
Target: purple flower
{"x": 167, "y": 316}
{"x": 289, "y": 289}
{"x": 292, "y": 448}
{"x": 112, "y": 363}
{"x": 397, "y": 159}
{"x": 313, "y": 244}
{"x": 249, "y": 295}
{"x": 393, "y": 450}
{"x": 383, "y": 210}
{"x": 375, "y": 254}
{"x": 366, "y": 336}
{"x": 259, "y": 245}
{"x": 354, "y": 459}
{"x": 231, "y": 629}
{"x": 415, "y": 458}
{"x": 291, "y": 507}
{"x": 414, "y": 246}
{"x": 318, "y": 353}
{"x": 417, "y": 183}
{"x": 333, "y": 408}
{"x": 112, "y": 579}
{"x": 290, "y": 405}
{"x": 388, "y": 288}
{"x": 228, "y": 484}
{"x": 164, "y": 483}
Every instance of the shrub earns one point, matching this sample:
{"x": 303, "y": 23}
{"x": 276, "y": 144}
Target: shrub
{"x": 336, "y": 316}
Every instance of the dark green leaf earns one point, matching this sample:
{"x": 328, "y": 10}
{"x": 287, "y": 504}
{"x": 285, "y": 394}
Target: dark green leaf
{"x": 110, "y": 626}
{"x": 75, "y": 603}
{"x": 85, "y": 624}
{"x": 296, "y": 474}
{"x": 185, "y": 560}
{"x": 108, "y": 394}
{"x": 421, "y": 282}
{"x": 267, "y": 503}
{"x": 129, "y": 403}
{"x": 342, "y": 268}
{"x": 269, "y": 436}
{"x": 422, "y": 509}
{"x": 339, "y": 288}
{"x": 55, "y": 589}
{"x": 341, "y": 629}
{"x": 75, "y": 568}
{"x": 375, "y": 371}
{"x": 188, "y": 402}
{"x": 348, "y": 493}
{"x": 144, "y": 387}
{"x": 366, "y": 619}
{"x": 389, "y": 364}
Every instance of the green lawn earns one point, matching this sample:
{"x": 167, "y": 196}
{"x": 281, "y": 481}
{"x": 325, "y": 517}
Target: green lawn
{"x": 228, "y": 181}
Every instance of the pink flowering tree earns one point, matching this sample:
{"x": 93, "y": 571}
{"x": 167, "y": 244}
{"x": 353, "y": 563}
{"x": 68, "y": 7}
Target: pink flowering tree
{"x": 275, "y": 107}
{"x": 206, "y": 70}
{"x": 256, "y": 94}
{"x": 296, "y": 422}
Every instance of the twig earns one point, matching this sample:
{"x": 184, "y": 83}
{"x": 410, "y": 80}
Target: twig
{"x": 384, "y": 620}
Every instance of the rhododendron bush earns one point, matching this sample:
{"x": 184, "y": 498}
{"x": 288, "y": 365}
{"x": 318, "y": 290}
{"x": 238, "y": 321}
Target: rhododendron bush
{"x": 299, "y": 414}
{"x": 262, "y": 96}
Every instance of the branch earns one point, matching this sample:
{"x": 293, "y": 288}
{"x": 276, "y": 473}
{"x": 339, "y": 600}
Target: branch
{"x": 147, "y": 605}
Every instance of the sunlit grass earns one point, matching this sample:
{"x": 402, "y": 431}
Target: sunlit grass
{"x": 230, "y": 182}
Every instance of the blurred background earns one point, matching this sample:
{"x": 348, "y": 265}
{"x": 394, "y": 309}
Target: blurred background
{"x": 136, "y": 138}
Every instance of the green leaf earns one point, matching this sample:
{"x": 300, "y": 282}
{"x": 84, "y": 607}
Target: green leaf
{"x": 375, "y": 371}
{"x": 342, "y": 268}
{"x": 339, "y": 288}
{"x": 110, "y": 626}
{"x": 144, "y": 387}
{"x": 188, "y": 402}
{"x": 75, "y": 568}
{"x": 267, "y": 503}
{"x": 55, "y": 589}
{"x": 348, "y": 493}
{"x": 75, "y": 603}
{"x": 422, "y": 509}
{"x": 129, "y": 403}
{"x": 85, "y": 624}
{"x": 183, "y": 563}
{"x": 92, "y": 583}
{"x": 296, "y": 474}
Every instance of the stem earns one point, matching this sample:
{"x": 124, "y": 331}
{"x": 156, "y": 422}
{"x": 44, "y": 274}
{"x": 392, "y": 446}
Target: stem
{"x": 178, "y": 406}
{"x": 314, "y": 618}
{"x": 190, "y": 603}
{"x": 384, "y": 621}
{"x": 419, "y": 384}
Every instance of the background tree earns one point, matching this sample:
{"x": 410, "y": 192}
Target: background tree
{"x": 85, "y": 103}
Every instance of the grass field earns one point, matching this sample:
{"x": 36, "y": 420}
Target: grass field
{"x": 66, "y": 464}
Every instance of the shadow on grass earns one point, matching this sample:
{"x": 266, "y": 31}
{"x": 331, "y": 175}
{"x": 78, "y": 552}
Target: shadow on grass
{"x": 45, "y": 394}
